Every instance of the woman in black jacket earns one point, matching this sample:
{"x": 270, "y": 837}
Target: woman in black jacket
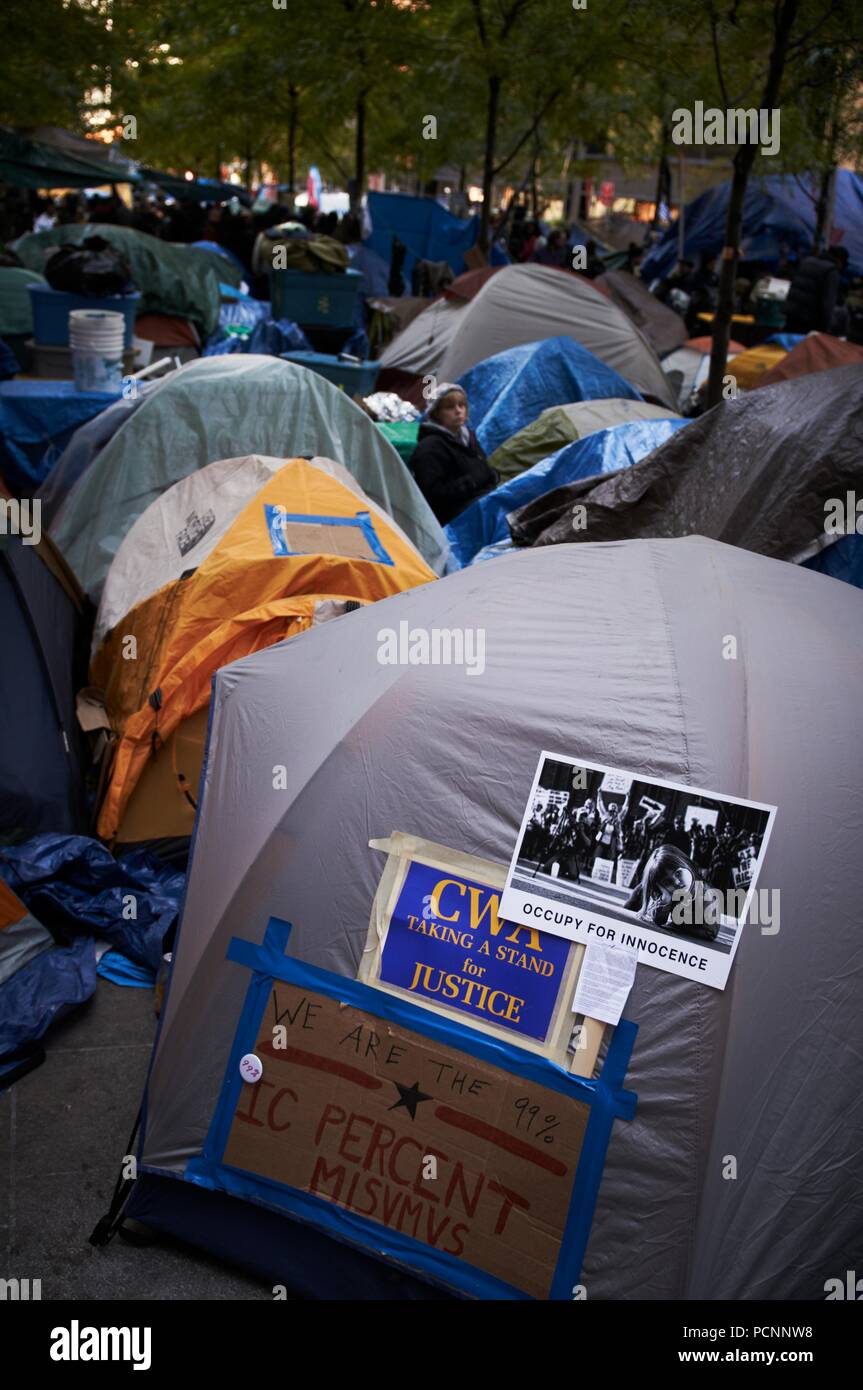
{"x": 448, "y": 462}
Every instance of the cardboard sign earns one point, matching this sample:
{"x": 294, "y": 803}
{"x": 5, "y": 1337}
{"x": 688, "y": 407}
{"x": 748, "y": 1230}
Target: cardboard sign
{"x": 453, "y": 1153}
{"x": 352, "y": 1110}
{"x": 445, "y": 942}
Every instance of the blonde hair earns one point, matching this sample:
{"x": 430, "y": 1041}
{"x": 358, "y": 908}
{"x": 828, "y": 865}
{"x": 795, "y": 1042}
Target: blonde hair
{"x": 444, "y": 396}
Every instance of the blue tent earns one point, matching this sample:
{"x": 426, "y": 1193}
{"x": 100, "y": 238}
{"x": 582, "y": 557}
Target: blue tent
{"x": 484, "y": 523}
{"x": 779, "y": 208}
{"x": 511, "y": 389}
{"x": 428, "y": 230}
{"x": 841, "y": 560}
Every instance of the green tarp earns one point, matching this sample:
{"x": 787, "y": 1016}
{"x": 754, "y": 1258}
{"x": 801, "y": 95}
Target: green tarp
{"x": 403, "y": 435}
{"x": 172, "y": 279}
{"x": 74, "y": 163}
{"x": 560, "y": 425}
{"x": 16, "y": 306}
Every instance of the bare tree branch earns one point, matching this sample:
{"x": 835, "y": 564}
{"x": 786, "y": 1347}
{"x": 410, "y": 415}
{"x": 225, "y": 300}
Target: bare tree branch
{"x": 717, "y": 57}
{"x": 528, "y": 133}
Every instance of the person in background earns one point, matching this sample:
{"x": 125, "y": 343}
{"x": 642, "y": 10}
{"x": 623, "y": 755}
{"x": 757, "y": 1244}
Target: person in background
{"x": 677, "y": 280}
{"x": 528, "y": 246}
{"x": 554, "y": 252}
{"x": 813, "y": 295}
{"x": 594, "y": 265}
{"x": 45, "y": 218}
{"x": 448, "y": 463}
{"x": 634, "y": 254}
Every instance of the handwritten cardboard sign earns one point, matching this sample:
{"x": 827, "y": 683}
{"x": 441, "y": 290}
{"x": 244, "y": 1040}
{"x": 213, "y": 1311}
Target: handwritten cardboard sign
{"x": 424, "y": 1140}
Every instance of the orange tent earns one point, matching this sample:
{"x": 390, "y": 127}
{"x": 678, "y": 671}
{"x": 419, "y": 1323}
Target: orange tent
{"x": 302, "y": 541}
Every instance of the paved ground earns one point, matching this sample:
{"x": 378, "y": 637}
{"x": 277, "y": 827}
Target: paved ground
{"x": 63, "y": 1131}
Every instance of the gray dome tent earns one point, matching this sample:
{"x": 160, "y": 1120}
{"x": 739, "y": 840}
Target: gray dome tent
{"x": 614, "y": 653}
{"x": 525, "y": 304}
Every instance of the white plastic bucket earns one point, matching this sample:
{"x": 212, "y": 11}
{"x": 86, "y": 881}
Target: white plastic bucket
{"x": 96, "y": 337}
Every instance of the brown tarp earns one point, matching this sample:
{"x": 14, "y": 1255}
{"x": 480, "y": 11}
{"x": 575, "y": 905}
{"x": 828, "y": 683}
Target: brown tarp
{"x": 465, "y": 286}
{"x": 755, "y": 472}
{"x": 818, "y": 352}
{"x": 664, "y": 329}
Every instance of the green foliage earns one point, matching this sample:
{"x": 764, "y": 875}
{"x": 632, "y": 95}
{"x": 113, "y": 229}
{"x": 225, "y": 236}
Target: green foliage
{"x": 213, "y": 80}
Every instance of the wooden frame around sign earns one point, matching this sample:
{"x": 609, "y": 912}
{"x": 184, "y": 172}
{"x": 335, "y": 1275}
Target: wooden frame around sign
{"x": 403, "y": 849}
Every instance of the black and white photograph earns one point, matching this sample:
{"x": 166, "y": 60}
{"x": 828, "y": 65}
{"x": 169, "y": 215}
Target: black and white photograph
{"x": 663, "y": 860}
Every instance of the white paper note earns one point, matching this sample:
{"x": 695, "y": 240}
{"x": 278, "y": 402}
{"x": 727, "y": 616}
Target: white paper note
{"x": 606, "y": 977}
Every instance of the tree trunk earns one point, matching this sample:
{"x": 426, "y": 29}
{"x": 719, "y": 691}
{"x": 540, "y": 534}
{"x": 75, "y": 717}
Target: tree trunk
{"x": 359, "y": 155}
{"x": 488, "y": 161}
{"x": 743, "y": 162}
{"x": 821, "y": 208}
{"x": 827, "y": 190}
{"x": 663, "y": 178}
{"x": 292, "y": 138}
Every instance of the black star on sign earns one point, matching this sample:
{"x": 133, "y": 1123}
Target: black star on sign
{"x": 409, "y": 1097}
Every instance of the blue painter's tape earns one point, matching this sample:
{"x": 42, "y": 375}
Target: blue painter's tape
{"x": 362, "y": 521}
{"x": 605, "y": 1096}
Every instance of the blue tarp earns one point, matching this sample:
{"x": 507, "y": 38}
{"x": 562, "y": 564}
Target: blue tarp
{"x": 117, "y": 968}
{"x": 778, "y": 209}
{"x": 220, "y": 251}
{"x": 37, "y": 420}
{"x": 271, "y": 337}
{"x": 786, "y": 340}
{"x": 75, "y": 887}
{"x": 42, "y": 991}
{"x": 373, "y": 268}
{"x": 428, "y": 230}
{"x": 508, "y": 391}
{"x": 484, "y": 523}
{"x": 841, "y": 560}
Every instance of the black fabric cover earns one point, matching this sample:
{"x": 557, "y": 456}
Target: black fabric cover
{"x": 94, "y": 268}
{"x": 43, "y": 666}
{"x": 755, "y": 472}
{"x": 812, "y": 296}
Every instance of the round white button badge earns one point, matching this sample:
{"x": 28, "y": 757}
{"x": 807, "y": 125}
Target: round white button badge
{"x": 251, "y": 1067}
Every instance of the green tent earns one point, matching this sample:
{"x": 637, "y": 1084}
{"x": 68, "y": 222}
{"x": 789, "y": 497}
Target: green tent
{"x": 60, "y": 160}
{"x": 16, "y": 306}
{"x": 229, "y": 407}
{"x": 560, "y": 425}
{"x": 172, "y": 279}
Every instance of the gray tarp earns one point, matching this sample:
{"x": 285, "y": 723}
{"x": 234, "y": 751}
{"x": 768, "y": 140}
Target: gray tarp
{"x": 755, "y": 472}
{"x": 226, "y": 407}
{"x": 612, "y": 653}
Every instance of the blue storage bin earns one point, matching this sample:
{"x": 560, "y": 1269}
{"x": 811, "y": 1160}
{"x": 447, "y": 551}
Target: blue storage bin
{"x": 51, "y": 309}
{"x": 318, "y": 298}
{"x": 355, "y": 378}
